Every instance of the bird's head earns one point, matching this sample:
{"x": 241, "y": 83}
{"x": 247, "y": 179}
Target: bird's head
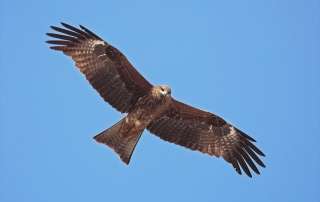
{"x": 162, "y": 91}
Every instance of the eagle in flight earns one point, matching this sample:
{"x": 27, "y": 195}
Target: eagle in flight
{"x": 150, "y": 107}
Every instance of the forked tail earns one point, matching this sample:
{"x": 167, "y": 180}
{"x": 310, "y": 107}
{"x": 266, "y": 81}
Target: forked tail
{"x": 122, "y": 144}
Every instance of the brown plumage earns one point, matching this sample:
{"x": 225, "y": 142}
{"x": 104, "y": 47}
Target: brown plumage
{"x": 148, "y": 106}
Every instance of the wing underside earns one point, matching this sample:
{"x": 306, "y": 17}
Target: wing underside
{"x": 205, "y": 132}
{"x": 106, "y": 68}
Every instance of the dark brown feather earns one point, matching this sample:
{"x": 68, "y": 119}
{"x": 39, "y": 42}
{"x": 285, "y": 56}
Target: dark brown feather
{"x": 203, "y": 131}
{"x": 106, "y": 68}
{"x": 63, "y": 37}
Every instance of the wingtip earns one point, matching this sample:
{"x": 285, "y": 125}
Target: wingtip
{"x": 53, "y": 48}
{"x": 238, "y": 171}
{"x": 248, "y": 173}
{"x": 55, "y": 28}
{"x": 63, "y": 23}
{"x": 50, "y": 34}
{"x": 245, "y": 135}
{"x": 263, "y": 165}
{"x": 57, "y": 48}
{"x": 68, "y": 26}
{"x": 83, "y": 27}
{"x": 248, "y": 137}
{"x": 257, "y": 172}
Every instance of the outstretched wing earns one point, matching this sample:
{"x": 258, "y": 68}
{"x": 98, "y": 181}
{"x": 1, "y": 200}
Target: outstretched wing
{"x": 203, "y": 131}
{"x": 105, "y": 67}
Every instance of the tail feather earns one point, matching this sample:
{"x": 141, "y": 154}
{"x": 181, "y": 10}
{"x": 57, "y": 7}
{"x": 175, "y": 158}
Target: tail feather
{"x": 123, "y": 145}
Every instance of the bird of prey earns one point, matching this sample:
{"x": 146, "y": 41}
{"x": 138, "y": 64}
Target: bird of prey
{"x": 150, "y": 107}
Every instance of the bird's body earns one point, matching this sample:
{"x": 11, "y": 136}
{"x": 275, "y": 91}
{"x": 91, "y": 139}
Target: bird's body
{"x": 150, "y": 107}
{"x": 130, "y": 128}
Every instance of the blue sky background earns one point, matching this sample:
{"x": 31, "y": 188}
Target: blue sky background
{"x": 256, "y": 63}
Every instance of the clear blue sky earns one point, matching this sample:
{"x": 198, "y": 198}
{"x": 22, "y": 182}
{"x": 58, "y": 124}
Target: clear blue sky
{"x": 256, "y": 63}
